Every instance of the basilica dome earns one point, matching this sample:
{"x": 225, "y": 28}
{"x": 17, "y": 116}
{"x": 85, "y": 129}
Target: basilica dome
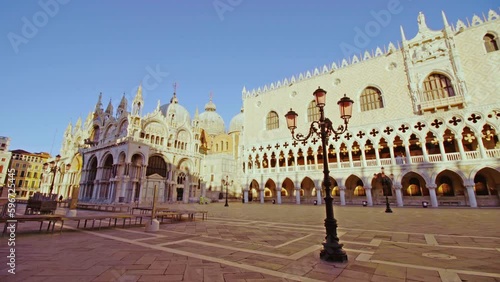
{"x": 211, "y": 121}
{"x": 175, "y": 112}
{"x": 236, "y": 124}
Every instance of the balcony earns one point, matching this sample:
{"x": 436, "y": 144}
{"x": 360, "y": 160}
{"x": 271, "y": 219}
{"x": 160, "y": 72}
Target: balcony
{"x": 434, "y": 158}
{"x": 444, "y": 103}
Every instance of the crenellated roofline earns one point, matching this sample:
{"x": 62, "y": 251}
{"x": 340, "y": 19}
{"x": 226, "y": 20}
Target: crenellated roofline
{"x": 346, "y": 62}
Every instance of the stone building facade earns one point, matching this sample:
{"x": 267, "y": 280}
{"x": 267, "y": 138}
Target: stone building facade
{"x": 5, "y": 156}
{"x": 427, "y": 111}
{"x": 30, "y": 176}
{"x": 128, "y": 156}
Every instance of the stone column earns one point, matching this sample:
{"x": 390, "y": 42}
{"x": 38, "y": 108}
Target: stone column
{"x": 125, "y": 181}
{"x": 342, "y": 195}
{"x": 278, "y": 195}
{"x": 110, "y": 191}
{"x": 369, "y": 198}
{"x": 377, "y": 153}
{"x": 318, "y": 194}
{"x": 134, "y": 187}
{"x": 187, "y": 186}
{"x": 337, "y": 153}
{"x": 349, "y": 152}
{"x": 443, "y": 151}
{"x": 391, "y": 152}
{"x": 482, "y": 150}
{"x": 399, "y": 195}
{"x": 297, "y": 195}
{"x": 408, "y": 154}
{"x": 460, "y": 147}
{"x": 424, "y": 150}
{"x": 261, "y": 195}
{"x": 363, "y": 155}
{"x": 472, "y": 196}
{"x": 432, "y": 194}
{"x": 245, "y": 195}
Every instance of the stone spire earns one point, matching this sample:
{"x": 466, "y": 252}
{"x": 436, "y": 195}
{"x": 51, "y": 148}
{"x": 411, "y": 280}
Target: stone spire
{"x": 138, "y": 102}
{"x": 69, "y": 129}
{"x": 109, "y": 108}
{"x": 158, "y": 105}
{"x": 403, "y": 37}
{"x": 78, "y": 124}
{"x": 196, "y": 113}
{"x": 123, "y": 103}
{"x": 98, "y": 105}
{"x": 447, "y": 27}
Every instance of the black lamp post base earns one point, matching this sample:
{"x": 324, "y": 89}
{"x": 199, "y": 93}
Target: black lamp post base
{"x": 333, "y": 252}
{"x": 226, "y": 205}
{"x": 387, "y": 206}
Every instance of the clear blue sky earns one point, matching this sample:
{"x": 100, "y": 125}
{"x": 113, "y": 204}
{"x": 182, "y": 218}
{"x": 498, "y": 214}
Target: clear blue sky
{"x": 56, "y": 59}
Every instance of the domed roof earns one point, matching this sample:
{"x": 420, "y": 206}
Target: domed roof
{"x": 211, "y": 121}
{"x": 236, "y": 124}
{"x": 174, "y": 111}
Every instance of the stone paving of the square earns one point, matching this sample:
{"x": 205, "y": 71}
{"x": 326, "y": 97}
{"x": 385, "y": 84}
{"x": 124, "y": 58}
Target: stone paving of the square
{"x": 256, "y": 242}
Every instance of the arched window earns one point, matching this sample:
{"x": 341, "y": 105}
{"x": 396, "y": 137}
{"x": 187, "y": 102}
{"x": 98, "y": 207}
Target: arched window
{"x": 490, "y": 42}
{"x": 437, "y": 86}
{"x": 156, "y": 164}
{"x": 371, "y": 99}
{"x": 272, "y": 121}
{"x": 312, "y": 112}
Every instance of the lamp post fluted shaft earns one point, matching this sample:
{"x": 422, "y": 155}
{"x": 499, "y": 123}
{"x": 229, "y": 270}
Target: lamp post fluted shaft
{"x": 386, "y": 187}
{"x": 227, "y": 204}
{"x": 226, "y": 183}
{"x": 332, "y": 249}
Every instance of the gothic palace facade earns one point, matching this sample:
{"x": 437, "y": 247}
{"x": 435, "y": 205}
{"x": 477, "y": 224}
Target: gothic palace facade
{"x": 428, "y": 112}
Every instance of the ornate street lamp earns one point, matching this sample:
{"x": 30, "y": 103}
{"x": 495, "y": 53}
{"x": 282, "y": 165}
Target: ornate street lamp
{"x": 226, "y": 183}
{"x": 386, "y": 182}
{"x": 332, "y": 249}
{"x": 54, "y": 169}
